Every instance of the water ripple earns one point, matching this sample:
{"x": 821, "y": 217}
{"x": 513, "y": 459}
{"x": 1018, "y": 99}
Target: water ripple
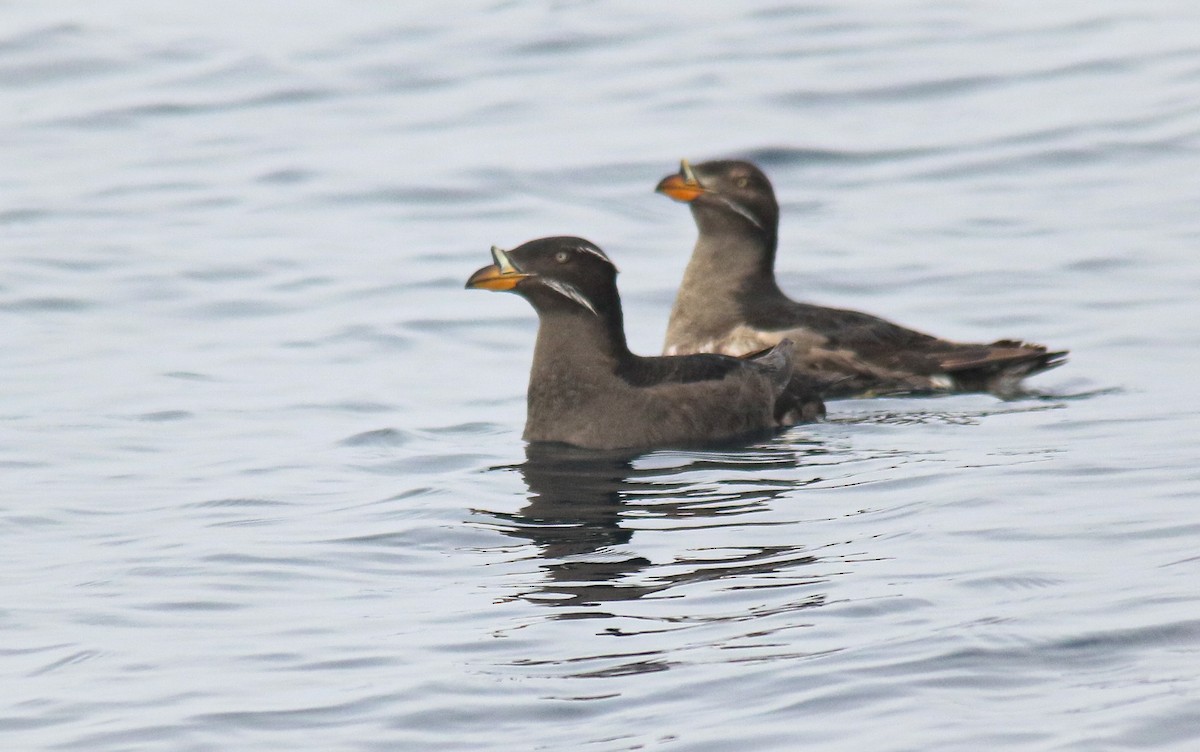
{"x": 263, "y": 476}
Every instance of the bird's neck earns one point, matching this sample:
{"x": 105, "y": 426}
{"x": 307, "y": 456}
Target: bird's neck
{"x": 732, "y": 259}
{"x": 575, "y": 364}
{"x": 578, "y": 347}
{"x": 723, "y": 270}
{"x": 741, "y": 243}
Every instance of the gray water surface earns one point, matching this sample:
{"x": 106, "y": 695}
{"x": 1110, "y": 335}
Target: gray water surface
{"x": 263, "y": 481}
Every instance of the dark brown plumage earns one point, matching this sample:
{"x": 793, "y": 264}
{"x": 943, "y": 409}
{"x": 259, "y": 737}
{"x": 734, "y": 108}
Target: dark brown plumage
{"x": 729, "y": 302}
{"x": 587, "y": 389}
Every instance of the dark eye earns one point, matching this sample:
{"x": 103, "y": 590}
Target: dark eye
{"x": 562, "y": 257}
{"x": 742, "y": 182}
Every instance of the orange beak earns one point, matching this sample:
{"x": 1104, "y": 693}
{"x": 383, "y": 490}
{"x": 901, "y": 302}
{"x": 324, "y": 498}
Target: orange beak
{"x": 501, "y": 275}
{"x": 682, "y": 186}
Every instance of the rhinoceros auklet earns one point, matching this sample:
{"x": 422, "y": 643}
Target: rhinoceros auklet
{"x": 730, "y": 303}
{"x": 587, "y": 389}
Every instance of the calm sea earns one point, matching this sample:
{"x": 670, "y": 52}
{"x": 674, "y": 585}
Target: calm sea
{"x": 262, "y": 485}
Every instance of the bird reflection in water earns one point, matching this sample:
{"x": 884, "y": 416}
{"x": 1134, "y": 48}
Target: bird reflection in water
{"x": 584, "y": 507}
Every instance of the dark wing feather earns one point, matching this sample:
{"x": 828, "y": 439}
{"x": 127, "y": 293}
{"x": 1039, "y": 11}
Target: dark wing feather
{"x": 678, "y": 369}
{"x": 901, "y": 349}
{"x": 843, "y": 328}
